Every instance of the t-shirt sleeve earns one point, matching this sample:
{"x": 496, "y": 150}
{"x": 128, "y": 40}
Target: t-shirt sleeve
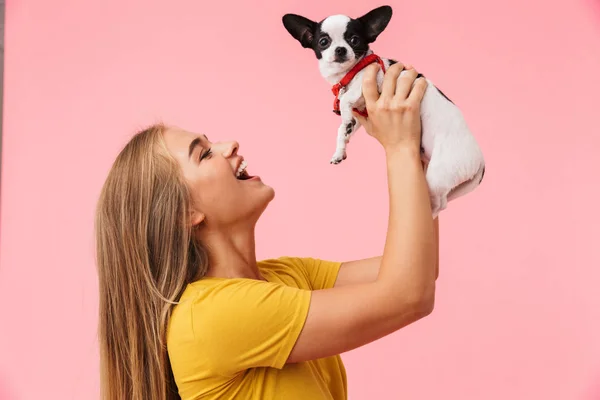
{"x": 246, "y": 323}
{"x": 321, "y": 274}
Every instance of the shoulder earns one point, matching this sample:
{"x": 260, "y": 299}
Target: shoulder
{"x": 284, "y": 262}
{"x": 303, "y": 272}
{"x": 287, "y": 270}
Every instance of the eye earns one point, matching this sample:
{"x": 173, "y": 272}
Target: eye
{"x": 205, "y": 154}
{"x": 354, "y": 41}
{"x": 324, "y": 42}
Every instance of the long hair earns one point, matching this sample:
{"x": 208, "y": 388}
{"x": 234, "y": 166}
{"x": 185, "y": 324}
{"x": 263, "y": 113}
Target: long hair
{"x": 146, "y": 255}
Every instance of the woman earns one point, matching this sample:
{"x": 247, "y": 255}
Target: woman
{"x": 187, "y": 312}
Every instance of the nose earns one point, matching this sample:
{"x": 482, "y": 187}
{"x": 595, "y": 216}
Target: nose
{"x": 231, "y": 148}
{"x": 340, "y": 51}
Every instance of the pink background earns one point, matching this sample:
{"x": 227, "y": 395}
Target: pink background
{"x": 518, "y": 309}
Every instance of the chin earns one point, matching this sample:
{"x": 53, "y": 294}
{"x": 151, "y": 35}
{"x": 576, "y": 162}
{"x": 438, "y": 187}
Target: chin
{"x": 267, "y": 195}
{"x": 270, "y": 194}
{"x": 346, "y": 64}
{"x": 337, "y": 67}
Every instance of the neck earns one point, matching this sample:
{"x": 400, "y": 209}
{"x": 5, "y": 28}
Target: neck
{"x": 333, "y": 75}
{"x": 232, "y": 253}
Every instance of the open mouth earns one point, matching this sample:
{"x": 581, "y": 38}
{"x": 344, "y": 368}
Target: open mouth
{"x": 241, "y": 173}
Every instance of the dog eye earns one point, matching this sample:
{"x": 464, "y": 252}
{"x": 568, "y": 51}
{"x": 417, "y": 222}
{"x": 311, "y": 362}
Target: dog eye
{"x": 354, "y": 40}
{"x": 324, "y": 42}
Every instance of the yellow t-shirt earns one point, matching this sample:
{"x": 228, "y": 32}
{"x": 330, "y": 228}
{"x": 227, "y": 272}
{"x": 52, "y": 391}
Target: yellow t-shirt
{"x": 230, "y": 338}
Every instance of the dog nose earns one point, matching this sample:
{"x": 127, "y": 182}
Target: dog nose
{"x": 340, "y": 51}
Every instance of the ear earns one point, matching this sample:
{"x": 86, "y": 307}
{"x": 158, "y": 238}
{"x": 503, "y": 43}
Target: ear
{"x": 375, "y": 21}
{"x": 197, "y": 218}
{"x": 301, "y": 29}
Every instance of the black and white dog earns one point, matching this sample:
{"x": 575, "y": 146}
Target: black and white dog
{"x": 455, "y": 161}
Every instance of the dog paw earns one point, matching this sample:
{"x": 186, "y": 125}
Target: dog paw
{"x": 438, "y": 204}
{"x": 338, "y": 158}
{"x": 435, "y": 206}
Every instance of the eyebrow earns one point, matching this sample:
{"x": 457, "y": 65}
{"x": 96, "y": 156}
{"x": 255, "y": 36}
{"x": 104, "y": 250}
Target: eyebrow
{"x": 194, "y": 143}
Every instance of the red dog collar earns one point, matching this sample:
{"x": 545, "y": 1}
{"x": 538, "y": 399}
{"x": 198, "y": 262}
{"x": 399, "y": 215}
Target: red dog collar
{"x": 370, "y": 59}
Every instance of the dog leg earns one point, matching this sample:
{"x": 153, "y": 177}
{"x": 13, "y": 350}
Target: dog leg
{"x": 467, "y": 186}
{"x": 438, "y": 177}
{"x": 346, "y": 129}
{"x": 340, "y": 146}
{"x": 439, "y": 190}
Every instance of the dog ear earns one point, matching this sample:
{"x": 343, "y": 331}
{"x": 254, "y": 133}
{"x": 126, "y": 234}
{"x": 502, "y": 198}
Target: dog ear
{"x": 375, "y": 21}
{"x": 302, "y": 29}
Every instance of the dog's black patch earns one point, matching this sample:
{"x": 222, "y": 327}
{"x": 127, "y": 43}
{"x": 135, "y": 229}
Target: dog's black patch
{"x": 349, "y": 127}
{"x": 392, "y": 62}
{"x": 355, "y": 37}
{"x": 337, "y": 112}
{"x": 446, "y": 97}
{"x": 319, "y": 35}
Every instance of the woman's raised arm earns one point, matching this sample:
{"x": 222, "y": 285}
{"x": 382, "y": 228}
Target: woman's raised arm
{"x": 344, "y": 318}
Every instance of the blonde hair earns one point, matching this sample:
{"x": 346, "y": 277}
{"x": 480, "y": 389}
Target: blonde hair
{"x": 146, "y": 255}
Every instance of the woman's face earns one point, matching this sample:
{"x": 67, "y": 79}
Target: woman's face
{"x": 221, "y": 198}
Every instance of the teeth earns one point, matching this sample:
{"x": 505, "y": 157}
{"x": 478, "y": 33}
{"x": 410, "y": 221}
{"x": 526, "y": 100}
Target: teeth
{"x": 241, "y": 168}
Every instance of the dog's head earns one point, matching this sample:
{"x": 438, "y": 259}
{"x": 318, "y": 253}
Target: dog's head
{"x": 338, "y": 41}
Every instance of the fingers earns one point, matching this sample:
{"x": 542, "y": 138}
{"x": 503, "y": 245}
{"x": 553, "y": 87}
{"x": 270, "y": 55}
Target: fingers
{"x": 405, "y": 82}
{"x": 389, "y": 80}
{"x": 418, "y": 91}
{"x": 369, "y": 87}
{"x": 400, "y": 84}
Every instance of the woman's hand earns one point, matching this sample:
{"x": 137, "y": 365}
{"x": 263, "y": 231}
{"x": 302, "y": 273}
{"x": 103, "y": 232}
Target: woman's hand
{"x": 394, "y": 116}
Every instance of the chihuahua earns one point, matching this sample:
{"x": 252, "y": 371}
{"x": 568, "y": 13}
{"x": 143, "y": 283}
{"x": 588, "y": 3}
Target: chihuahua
{"x": 455, "y": 163}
